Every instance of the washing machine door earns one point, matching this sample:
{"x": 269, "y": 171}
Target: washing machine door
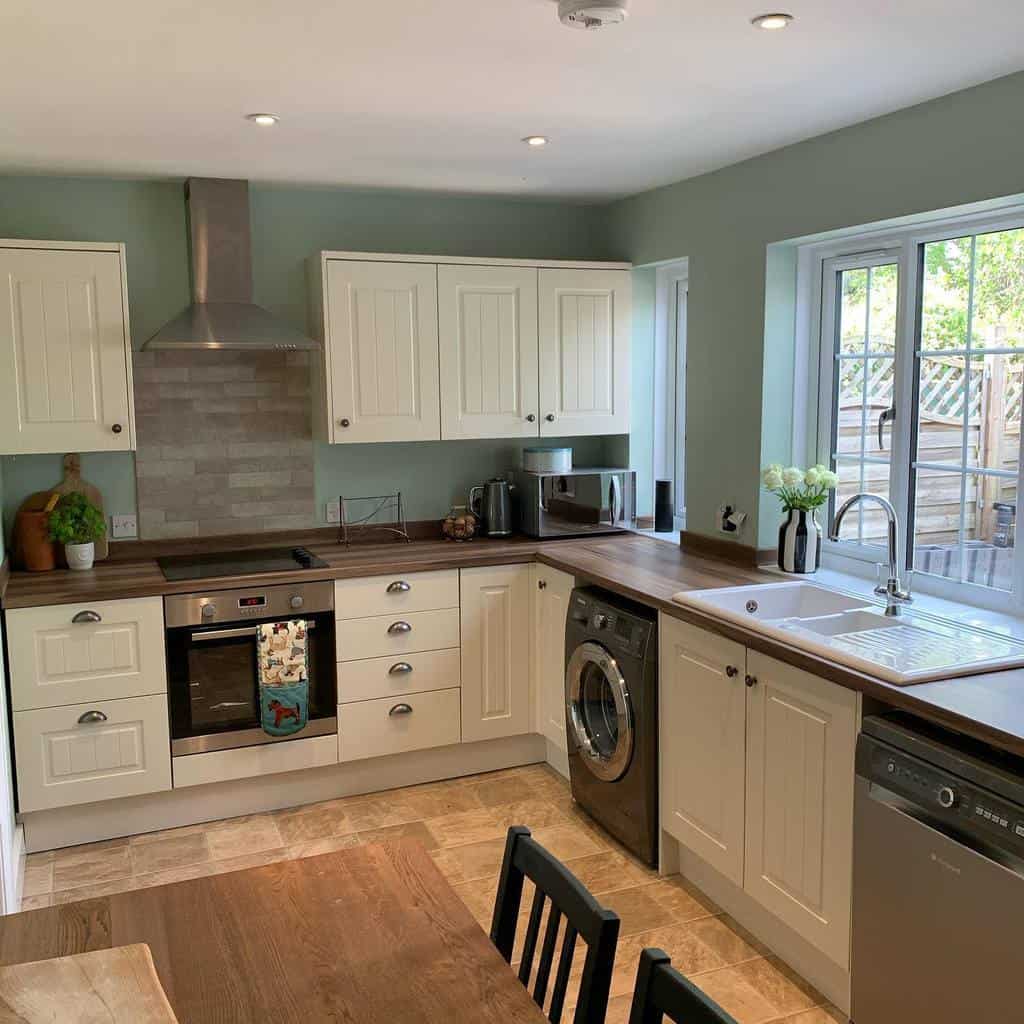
{"x": 600, "y": 711}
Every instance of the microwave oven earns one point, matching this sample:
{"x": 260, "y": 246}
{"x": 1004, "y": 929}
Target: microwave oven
{"x": 579, "y": 503}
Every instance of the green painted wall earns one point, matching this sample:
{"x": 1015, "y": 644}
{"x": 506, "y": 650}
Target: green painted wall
{"x": 289, "y": 224}
{"x": 958, "y": 149}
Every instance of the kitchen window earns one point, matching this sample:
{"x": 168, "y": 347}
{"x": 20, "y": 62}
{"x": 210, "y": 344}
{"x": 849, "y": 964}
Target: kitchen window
{"x": 920, "y": 395}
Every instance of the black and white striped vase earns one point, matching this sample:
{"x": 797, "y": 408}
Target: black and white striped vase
{"x": 800, "y": 542}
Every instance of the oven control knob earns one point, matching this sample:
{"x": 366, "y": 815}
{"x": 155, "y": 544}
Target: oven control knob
{"x": 209, "y": 610}
{"x": 296, "y": 601}
{"x": 600, "y": 620}
{"x": 947, "y": 797}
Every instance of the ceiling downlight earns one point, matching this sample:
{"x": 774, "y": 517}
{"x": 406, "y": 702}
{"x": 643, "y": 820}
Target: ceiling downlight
{"x": 263, "y": 120}
{"x": 536, "y": 141}
{"x": 772, "y": 22}
{"x": 592, "y": 14}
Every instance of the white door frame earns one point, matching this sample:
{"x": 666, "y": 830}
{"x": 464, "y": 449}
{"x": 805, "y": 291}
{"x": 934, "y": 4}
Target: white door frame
{"x": 670, "y": 306}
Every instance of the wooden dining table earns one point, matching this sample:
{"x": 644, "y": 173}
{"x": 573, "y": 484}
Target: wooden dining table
{"x": 367, "y": 935}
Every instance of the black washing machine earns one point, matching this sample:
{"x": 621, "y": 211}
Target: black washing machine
{"x": 611, "y": 689}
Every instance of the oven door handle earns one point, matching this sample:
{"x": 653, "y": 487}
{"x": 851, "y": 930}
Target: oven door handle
{"x": 231, "y": 634}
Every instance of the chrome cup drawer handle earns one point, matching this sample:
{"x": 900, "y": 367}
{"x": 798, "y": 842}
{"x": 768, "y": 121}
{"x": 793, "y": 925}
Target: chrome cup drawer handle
{"x": 400, "y": 709}
{"x": 400, "y": 668}
{"x": 397, "y": 628}
{"x": 91, "y": 718}
{"x": 87, "y": 616}
{"x": 399, "y": 587}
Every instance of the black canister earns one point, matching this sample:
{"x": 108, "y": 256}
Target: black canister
{"x": 663, "y": 518}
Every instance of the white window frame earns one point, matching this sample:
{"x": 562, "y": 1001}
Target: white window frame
{"x": 817, "y": 267}
{"x": 671, "y": 298}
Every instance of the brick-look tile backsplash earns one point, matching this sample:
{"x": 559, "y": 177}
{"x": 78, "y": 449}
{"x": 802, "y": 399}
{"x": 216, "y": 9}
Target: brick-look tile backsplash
{"x": 224, "y": 442}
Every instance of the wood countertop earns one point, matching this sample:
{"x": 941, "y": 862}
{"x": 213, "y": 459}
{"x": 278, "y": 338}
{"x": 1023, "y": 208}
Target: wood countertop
{"x": 988, "y": 707}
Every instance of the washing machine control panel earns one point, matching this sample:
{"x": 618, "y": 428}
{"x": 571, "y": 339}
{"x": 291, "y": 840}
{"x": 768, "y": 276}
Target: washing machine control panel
{"x": 617, "y": 631}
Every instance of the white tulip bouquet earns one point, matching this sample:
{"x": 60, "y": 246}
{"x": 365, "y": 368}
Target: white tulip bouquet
{"x": 798, "y": 488}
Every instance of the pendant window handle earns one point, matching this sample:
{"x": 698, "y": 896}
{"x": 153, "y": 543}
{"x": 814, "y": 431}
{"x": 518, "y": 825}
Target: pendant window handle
{"x": 886, "y": 416}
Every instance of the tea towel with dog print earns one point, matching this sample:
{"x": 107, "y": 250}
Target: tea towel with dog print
{"x": 284, "y": 677}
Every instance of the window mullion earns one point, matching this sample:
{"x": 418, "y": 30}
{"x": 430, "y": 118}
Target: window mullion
{"x": 901, "y": 455}
{"x": 966, "y": 427}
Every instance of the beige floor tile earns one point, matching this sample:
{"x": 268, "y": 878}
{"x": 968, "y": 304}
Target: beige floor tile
{"x": 169, "y": 833}
{"x": 508, "y": 789}
{"x": 37, "y": 902}
{"x": 534, "y": 814}
{"x": 411, "y": 830}
{"x": 731, "y": 947}
{"x": 606, "y": 871}
{"x": 638, "y": 911}
{"x": 313, "y": 821}
{"x": 316, "y": 847}
{"x": 439, "y": 799}
{"x": 475, "y": 860}
{"x": 567, "y": 842}
{"x": 780, "y": 985}
{"x": 682, "y": 900}
{"x": 379, "y": 812}
{"x": 479, "y": 896}
{"x": 466, "y": 827}
{"x": 183, "y": 873}
{"x": 734, "y": 993}
{"x": 94, "y": 864}
{"x": 38, "y": 878}
{"x": 248, "y": 860}
{"x": 618, "y": 1010}
{"x": 95, "y": 890}
{"x": 818, "y": 1015}
{"x": 244, "y": 836}
{"x": 170, "y": 853}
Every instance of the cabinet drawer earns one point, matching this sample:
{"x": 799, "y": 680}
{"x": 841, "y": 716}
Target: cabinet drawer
{"x": 389, "y": 677}
{"x": 374, "y": 728}
{"x": 114, "y": 649}
{"x": 384, "y": 595}
{"x": 62, "y": 760}
{"x": 383, "y": 635}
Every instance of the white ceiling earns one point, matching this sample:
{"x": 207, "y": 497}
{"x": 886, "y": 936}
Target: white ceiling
{"x": 435, "y": 94}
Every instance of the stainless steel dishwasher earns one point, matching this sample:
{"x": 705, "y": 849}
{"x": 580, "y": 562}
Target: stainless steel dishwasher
{"x": 938, "y": 893}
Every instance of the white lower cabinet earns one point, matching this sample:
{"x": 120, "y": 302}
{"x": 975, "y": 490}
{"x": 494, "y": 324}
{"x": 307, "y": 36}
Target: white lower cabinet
{"x": 495, "y": 615}
{"x": 703, "y": 716}
{"x": 801, "y": 740}
{"x": 375, "y": 728}
{"x": 552, "y": 590}
{"x": 86, "y": 752}
{"x": 757, "y": 773}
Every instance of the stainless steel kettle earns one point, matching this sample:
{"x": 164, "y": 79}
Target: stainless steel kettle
{"x": 491, "y": 503}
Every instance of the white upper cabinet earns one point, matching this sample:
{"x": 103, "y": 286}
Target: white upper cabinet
{"x": 488, "y": 332}
{"x": 584, "y": 351}
{"x": 381, "y": 351}
{"x": 65, "y": 351}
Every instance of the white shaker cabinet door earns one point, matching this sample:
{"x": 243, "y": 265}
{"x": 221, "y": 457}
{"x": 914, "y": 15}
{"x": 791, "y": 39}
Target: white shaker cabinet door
{"x": 381, "y": 341}
{"x": 64, "y": 352}
{"x": 495, "y": 652}
{"x": 585, "y": 327}
{"x": 801, "y": 739}
{"x": 552, "y": 591}
{"x": 702, "y": 733}
{"x": 488, "y": 332}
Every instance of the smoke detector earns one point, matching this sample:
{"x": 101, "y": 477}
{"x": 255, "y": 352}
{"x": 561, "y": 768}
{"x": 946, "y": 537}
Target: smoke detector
{"x": 589, "y": 14}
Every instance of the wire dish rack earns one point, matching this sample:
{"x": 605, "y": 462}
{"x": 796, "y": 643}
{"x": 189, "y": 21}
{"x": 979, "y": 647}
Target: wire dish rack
{"x": 380, "y": 515}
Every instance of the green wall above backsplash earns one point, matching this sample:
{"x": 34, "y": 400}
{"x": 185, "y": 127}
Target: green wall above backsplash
{"x": 289, "y": 224}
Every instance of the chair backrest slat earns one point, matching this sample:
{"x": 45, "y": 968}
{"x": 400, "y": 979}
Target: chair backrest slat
{"x": 532, "y": 931}
{"x": 562, "y": 976}
{"x": 661, "y": 991}
{"x": 547, "y": 956}
{"x": 584, "y": 918}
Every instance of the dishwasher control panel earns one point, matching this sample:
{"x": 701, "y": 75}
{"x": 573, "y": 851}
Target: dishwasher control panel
{"x": 942, "y": 795}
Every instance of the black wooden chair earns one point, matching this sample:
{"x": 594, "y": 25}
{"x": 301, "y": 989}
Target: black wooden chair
{"x": 661, "y": 991}
{"x": 584, "y": 917}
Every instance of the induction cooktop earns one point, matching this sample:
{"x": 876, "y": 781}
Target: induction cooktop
{"x": 238, "y": 563}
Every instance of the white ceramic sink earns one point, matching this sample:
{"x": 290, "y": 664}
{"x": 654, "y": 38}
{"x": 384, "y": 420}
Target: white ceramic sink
{"x": 905, "y": 649}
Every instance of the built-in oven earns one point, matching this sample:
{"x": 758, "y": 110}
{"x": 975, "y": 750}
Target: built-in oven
{"x": 212, "y": 671}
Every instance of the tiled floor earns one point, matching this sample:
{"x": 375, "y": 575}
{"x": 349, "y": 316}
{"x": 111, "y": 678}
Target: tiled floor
{"x": 463, "y": 824}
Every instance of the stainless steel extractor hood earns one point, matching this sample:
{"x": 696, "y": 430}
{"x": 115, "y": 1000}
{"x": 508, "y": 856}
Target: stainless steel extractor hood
{"x": 222, "y": 314}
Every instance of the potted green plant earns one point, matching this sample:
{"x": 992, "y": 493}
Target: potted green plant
{"x": 802, "y": 493}
{"x": 77, "y": 524}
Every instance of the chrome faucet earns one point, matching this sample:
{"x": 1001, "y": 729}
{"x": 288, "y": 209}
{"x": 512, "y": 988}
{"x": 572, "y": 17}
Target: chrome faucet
{"x": 893, "y": 591}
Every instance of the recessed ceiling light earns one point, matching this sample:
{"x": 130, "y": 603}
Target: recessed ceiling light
{"x": 771, "y": 22}
{"x": 536, "y": 140}
{"x": 264, "y": 120}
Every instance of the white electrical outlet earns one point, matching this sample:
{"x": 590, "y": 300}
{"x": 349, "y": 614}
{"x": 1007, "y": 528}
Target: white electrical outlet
{"x": 332, "y": 510}
{"x": 123, "y": 527}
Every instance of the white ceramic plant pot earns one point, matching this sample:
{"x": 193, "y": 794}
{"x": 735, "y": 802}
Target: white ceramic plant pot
{"x": 80, "y": 556}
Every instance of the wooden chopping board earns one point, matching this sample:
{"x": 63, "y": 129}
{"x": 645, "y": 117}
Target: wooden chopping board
{"x": 107, "y": 986}
{"x": 73, "y": 483}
